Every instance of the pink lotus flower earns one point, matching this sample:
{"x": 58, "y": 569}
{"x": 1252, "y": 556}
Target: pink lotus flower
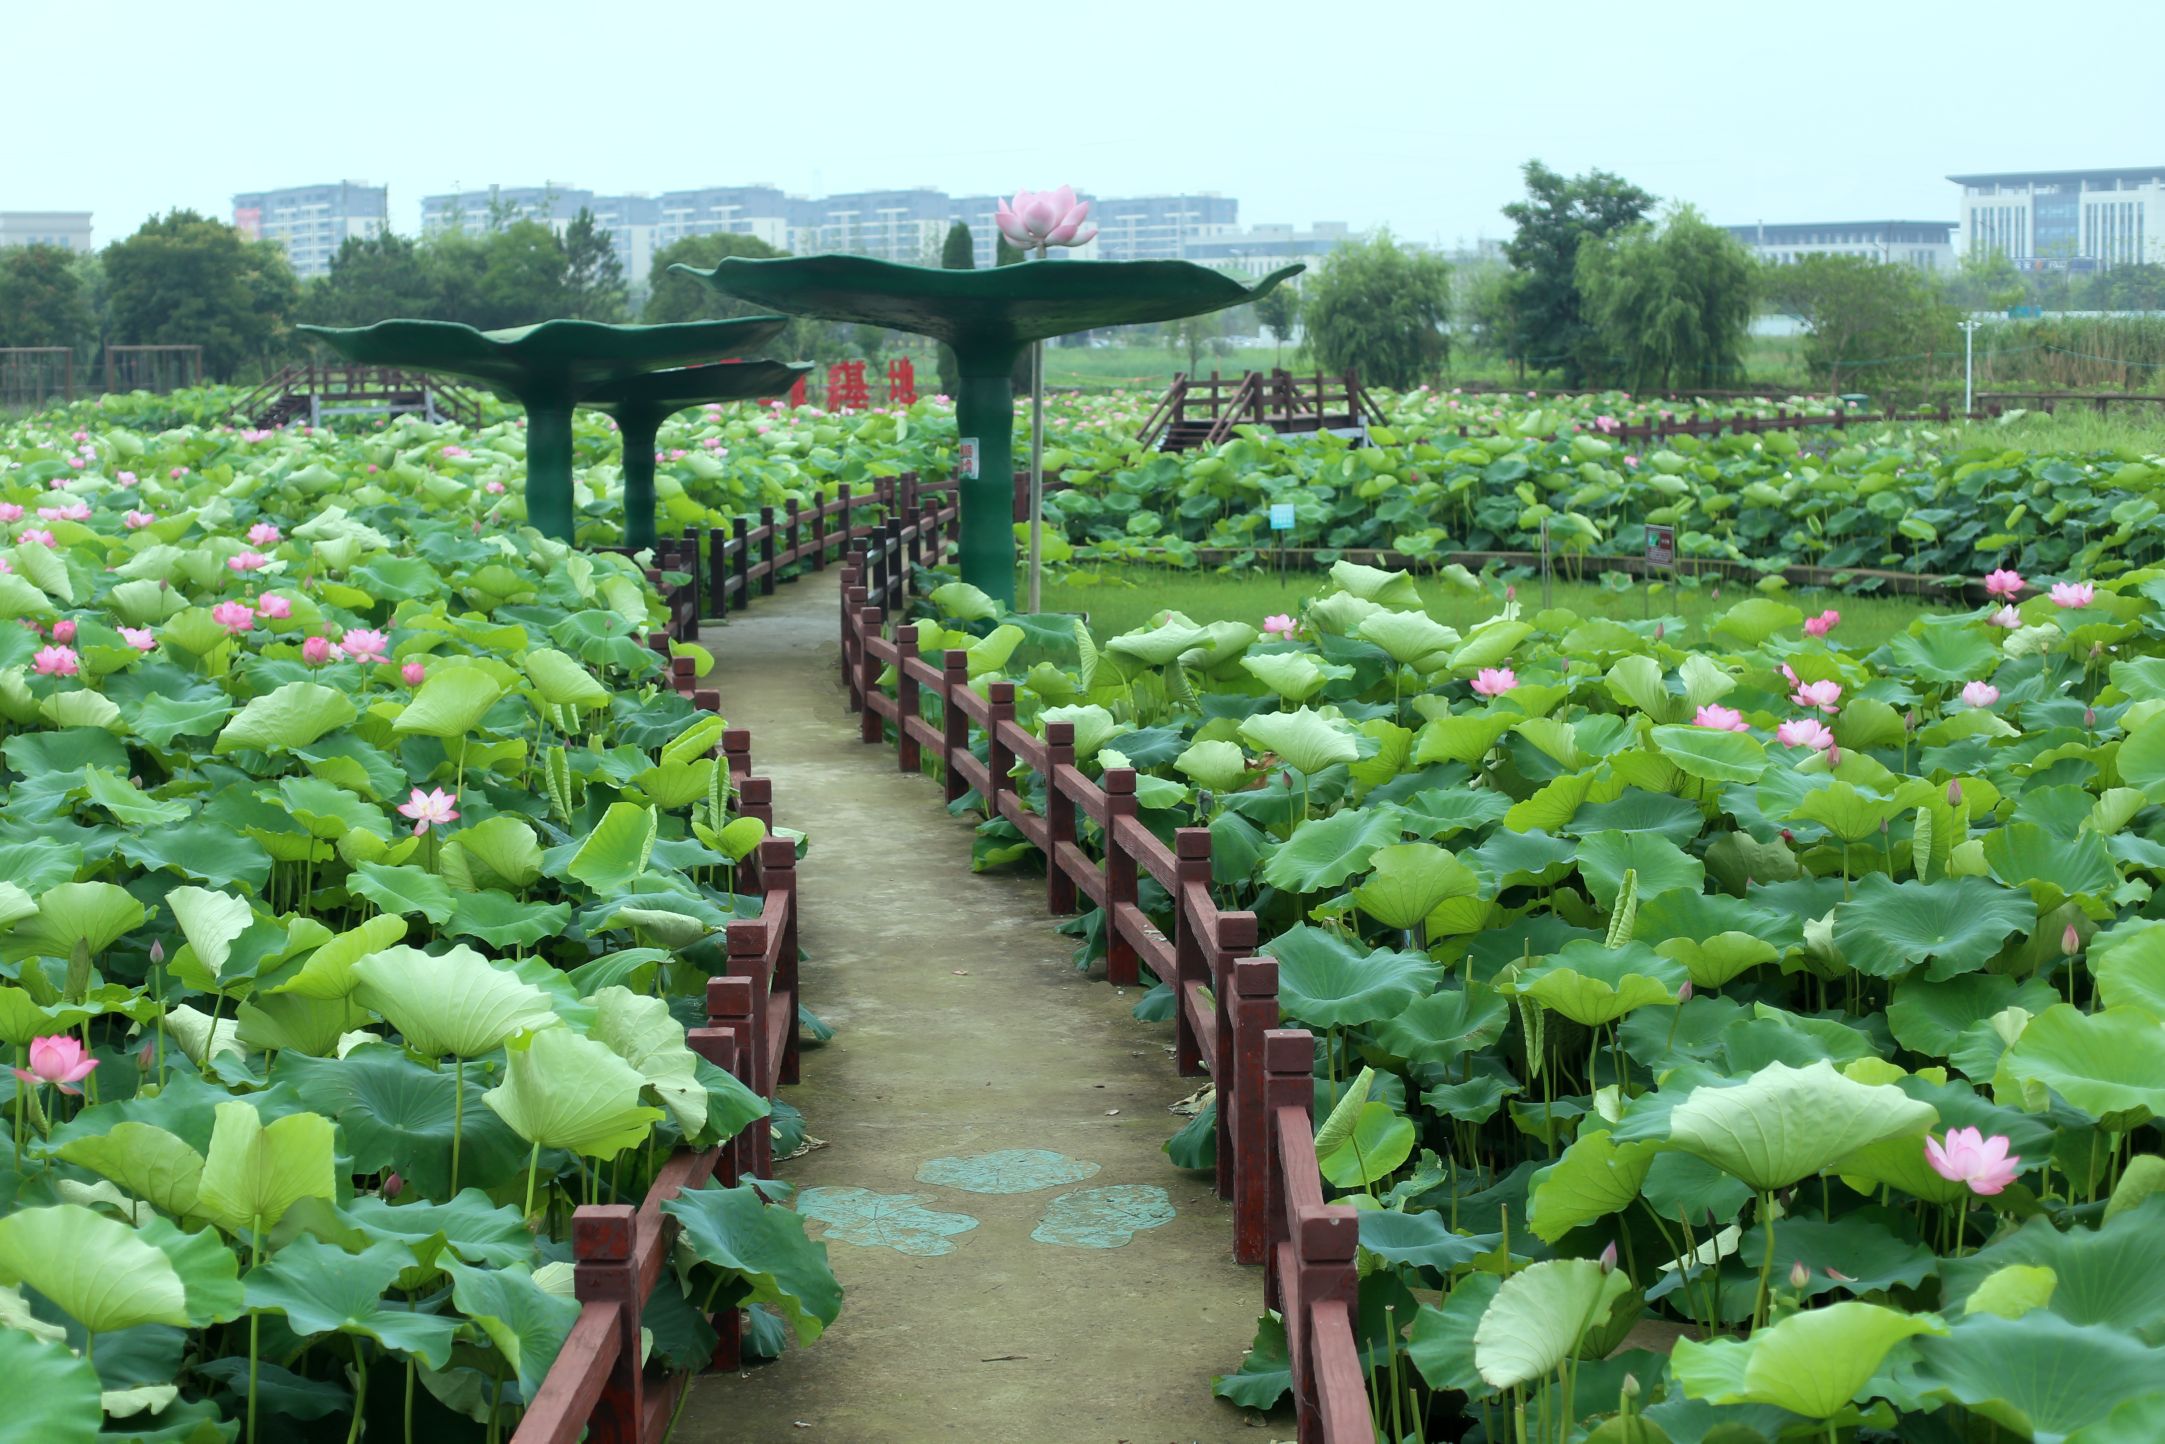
{"x": 413, "y": 674}
{"x": 31, "y": 534}
{"x": 1495, "y": 681}
{"x": 73, "y": 511}
{"x": 10, "y": 512}
{"x": 2006, "y": 617}
{"x": 275, "y": 607}
{"x": 1805, "y": 732}
{"x": 1822, "y": 624}
{"x": 2072, "y": 595}
{"x": 1980, "y": 694}
{"x": 1825, "y": 695}
{"x": 137, "y": 520}
{"x": 1279, "y": 625}
{"x": 456, "y": 451}
{"x": 1039, "y": 220}
{"x": 1967, "y": 1156}
{"x": 1720, "y": 719}
{"x": 140, "y": 638}
{"x": 317, "y": 650}
{"x": 429, "y": 809}
{"x": 126, "y": 478}
{"x": 364, "y": 645}
{"x": 235, "y": 617}
{"x": 263, "y": 534}
{"x": 178, "y": 472}
{"x": 2004, "y": 583}
{"x": 64, "y": 630}
{"x": 56, "y": 662}
{"x": 493, "y": 488}
{"x": 58, "y": 1060}
{"x": 248, "y": 562}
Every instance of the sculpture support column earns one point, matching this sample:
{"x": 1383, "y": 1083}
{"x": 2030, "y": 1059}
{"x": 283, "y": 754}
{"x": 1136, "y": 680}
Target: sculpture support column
{"x": 985, "y": 410}
{"x": 638, "y": 426}
{"x": 548, "y": 467}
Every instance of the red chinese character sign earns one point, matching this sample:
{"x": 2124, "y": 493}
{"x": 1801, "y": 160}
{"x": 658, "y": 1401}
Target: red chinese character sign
{"x": 901, "y": 382}
{"x": 846, "y": 389}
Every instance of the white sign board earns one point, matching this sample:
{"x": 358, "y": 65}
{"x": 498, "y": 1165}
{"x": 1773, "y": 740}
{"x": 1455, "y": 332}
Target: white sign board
{"x": 966, "y": 462}
{"x": 1281, "y": 516}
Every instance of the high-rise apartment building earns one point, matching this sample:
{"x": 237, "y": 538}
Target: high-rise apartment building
{"x": 475, "y": 211}
{"x": 312, "y": 222}
{"x": 69, "y": 230}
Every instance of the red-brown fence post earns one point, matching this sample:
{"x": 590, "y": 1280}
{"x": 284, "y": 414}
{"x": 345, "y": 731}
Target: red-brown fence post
{"x": 718, "y": 1046}
{"x": 755, "y": 798}
{"x": 954, "y": 722}
{"x": 748, "y": 959}
{"x": 718, "y": 570}
{"x": 778, "y": 871}
{"x": 1059, "y": 817}
{"x": 849, "y": 521}
{"x": 1241, "y": 1100}
{"x": 793, "y": 531}
{"x": 740, "y": 531}
{"x": 729, "y": 1011}
{"x": 1000, "y": 758}
{"x": 603, "y": 1240}
{"x": 1191, "y": 965}
{"x": 1123, "y": 965}
{"x": 853, "y": 594}
{"x": 1236, "y": 938}
{"x": 1289, "y": 1061}
{"x": 907, "y": 758}
{"x": 819, "y": 536}
{"x": 737, "y": 752}
{"x": 868, "y": 673}
{"x": 766, "y": 550}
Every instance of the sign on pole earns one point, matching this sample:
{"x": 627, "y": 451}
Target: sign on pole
{"x": 966, "y": 459}
{"x": 1661, "y": 546}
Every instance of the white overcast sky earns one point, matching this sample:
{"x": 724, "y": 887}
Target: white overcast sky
{"x": 1411, "y": 113}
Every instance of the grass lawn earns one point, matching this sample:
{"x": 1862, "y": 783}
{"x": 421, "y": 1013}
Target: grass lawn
{"x": 1119, "y": 599}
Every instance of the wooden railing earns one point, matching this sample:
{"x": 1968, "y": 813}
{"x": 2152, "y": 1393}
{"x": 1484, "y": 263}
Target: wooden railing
{"x": 1096, "y": 852}
{"x": 2049, "y": 401}
{"x": 598, "y": 1388}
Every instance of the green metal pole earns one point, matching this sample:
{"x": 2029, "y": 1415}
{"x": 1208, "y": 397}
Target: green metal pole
{"x": 548, "y": 467}
{"x": 985, "y": 412}
{"x": 638, "y": 426}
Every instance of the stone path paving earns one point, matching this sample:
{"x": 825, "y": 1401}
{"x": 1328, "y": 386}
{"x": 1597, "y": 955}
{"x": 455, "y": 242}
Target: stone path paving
{"x": 1020, "y": 1261}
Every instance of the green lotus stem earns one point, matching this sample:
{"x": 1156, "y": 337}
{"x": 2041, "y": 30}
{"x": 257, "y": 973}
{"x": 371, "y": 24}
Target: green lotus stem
{"x": 458, "y": 1119}
{"x": 1766, "y": 1263}
{"x": 409, "y": 1399}
{"x": 255, "y": 1320}
{"x": 360, "y": 1389}
{"x": 1390, "y": 1332}
{"x": 533, "y": 1165}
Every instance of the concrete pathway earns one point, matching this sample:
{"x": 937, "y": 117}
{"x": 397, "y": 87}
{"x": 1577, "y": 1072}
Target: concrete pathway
{"x": 1020, "y": 1260}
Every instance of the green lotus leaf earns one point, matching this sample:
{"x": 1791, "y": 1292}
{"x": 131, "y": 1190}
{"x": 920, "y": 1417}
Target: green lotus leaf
{"x": 1887, "y": 929}
{"x": 1593, "y": 1179}
{"x": 964, "y": 602}
{"x": 2039, "y": 1376}
{"x": 1155, "y": 646}
{"x": 328, "y": 971}
{"x": 252, "y": 1174}
{"x": 1217, "y": 765}
{"x": 207, "y": 1265}
{"x": 1324, "y": 981}
{"x": 1662, "y": 866}
{"x": 94, "y": 914}
{"x": 1490, "y": 643}
{"x": 52, "y": 1391}
{"x": 1592, "y": 984}
{"x": 526, "y": 1323}
{"x": 1377, "y": 1142}
{"x": 1324, "y": 851}
{"x": 505, "y": 846}
{"x": 1711, "y": 755}
{"x": 1784, "y": 1124}
{"x": 559, "y": 680}
{"x": 1948, "y": 649}
{"x": 285, "y": 719}
{"x": 397, "y": 1115}
{"x": 1442, "y": 1342}
{"x": 1539, "y": 1317}
{"x": 2104, "y": 1063}
{"x": 210, "y": 921}
{"x": 1412, "y": 639}
{"x": 1928, "y": 1017}
{"x": 616, "y": 852}
{"x": 2012, "y": 1291}
{"x": 502, "y": 921}
{"x": 2025, "y": 854}
{"x": 1411, "y": 880}
{"x": 1851, "y": 813}
{"x": 642, "y": 1032}
{"x": 561, "y": 1090}
{"x": 1304, "y": 738}
{"x": 736, "y": 1231}
{"x": 101, "y": 1273}
{"x": 451, "y": 703}
{"x": 1811, "y": 1363}
{"x": 467, "y": 1227}
{"x": 1755, "y": 619}
{"x": 455, "y": 1004}
{"x": 129, "y": 805}
{"x": 1444, "y": 1025}
{"x": 1294, "y": 676}
{"x": 1375, "y": 584}
{"x": 156, "y": 1166}
{"x": 2109, "y": 1275}
{"x": 321, "y": 1289}
{"x": 1424, "y": 1240}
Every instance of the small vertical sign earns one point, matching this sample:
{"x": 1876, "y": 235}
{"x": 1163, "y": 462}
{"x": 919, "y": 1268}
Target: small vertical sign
{"x": 1281, "y": 516}
{"x": 966, "y": 461}
{"x": 1661, "y": 546}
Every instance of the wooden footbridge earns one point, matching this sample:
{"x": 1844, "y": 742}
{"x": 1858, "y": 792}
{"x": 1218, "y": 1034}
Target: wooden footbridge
{"x": 315, "y": 391}
{"x": 1199, "y": 411}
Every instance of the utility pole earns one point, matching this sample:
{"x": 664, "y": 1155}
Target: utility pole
{"x": 1969, "y": 344}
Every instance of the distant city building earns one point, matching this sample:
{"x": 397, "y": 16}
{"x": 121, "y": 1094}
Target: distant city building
{"x": 312, "y": 222}
{"x": 1261, "y": 249}
{"x": 632, "y": 223}
{"x": 69, "y": 230}
{"x": 1927, "y": 245}
{"x": 476, "y": 211}
{"x": 761, "y": 212}
{"x": 2078, "y": 220}
{"x": 1160, "y": 228}
{"x": 900, "y": 225}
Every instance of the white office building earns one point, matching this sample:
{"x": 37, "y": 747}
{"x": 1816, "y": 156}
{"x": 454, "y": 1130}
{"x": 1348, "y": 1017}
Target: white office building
{"x": 312, "y": 222}
{"x": 1927, "y": 245}
{"x": 2077, "y": 220}
{"x": 69, "y": 230}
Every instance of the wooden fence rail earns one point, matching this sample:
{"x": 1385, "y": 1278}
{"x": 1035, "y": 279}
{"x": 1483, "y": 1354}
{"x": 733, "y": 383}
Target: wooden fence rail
{"x": 598, "y": 1388}
{"x": 1097, "y": 851}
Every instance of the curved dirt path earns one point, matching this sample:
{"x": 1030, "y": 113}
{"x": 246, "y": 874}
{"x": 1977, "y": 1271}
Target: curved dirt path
{"x": 1020, "y": 1260}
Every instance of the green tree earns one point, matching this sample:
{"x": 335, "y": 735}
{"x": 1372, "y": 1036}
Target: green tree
{"x": 525, "y": 276}
{"x": 1380, "y": 310}
{"x": 1548, "y": 327}
{"x": 593, "y": 276}
{"x": 1864, "y": 318}
{"x": 1986, "y": 281}
{"x": 371, "y": 280}
{"x": 957, "y": 253}
{"x": 1279, "y": 312}
{"x": 1671, "y": 304}
{"x": 184, "y": 279}
{"x": 673, "y": 296}
{"x": 41, "y": 299}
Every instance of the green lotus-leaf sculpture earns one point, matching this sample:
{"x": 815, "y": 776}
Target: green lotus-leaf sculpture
{"x": 987, "y": 316}
{"x": 641, "y": 403}
{"x": 548, "y": 368}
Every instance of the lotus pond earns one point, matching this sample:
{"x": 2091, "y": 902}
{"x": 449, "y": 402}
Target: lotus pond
{"x": 1752, "y": 1040}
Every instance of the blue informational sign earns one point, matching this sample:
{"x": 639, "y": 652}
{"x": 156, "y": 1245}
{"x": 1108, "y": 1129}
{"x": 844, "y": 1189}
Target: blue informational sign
{"x": 1281, "y": 516}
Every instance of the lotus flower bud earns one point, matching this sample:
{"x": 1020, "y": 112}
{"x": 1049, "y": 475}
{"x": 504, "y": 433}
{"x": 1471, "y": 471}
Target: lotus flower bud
{"x": 393, "y": 1186}
{"x": 1834, "y": 756}
{"x": 2089, "y": 718}
{"x": 1954, "y": 792}
{"x": 1510, "y": 592}
{"x": 1789, "y": 837}
{"x": 1631, "y": 1386}
{"x": 2097, "y": 650}
{"x": 1683, "y": 992}
{"x": 157, "y": 953}
{"x": 1608, "y": 1258}
{"x": 1661, "y": 629}
{"x": 1800, "y": 1277}
{"x": 1883, "y": 827}
{"x": 2070, "y": 941}
{"x": 1909, "y": 723}
{"x": 146, "y": 1057}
